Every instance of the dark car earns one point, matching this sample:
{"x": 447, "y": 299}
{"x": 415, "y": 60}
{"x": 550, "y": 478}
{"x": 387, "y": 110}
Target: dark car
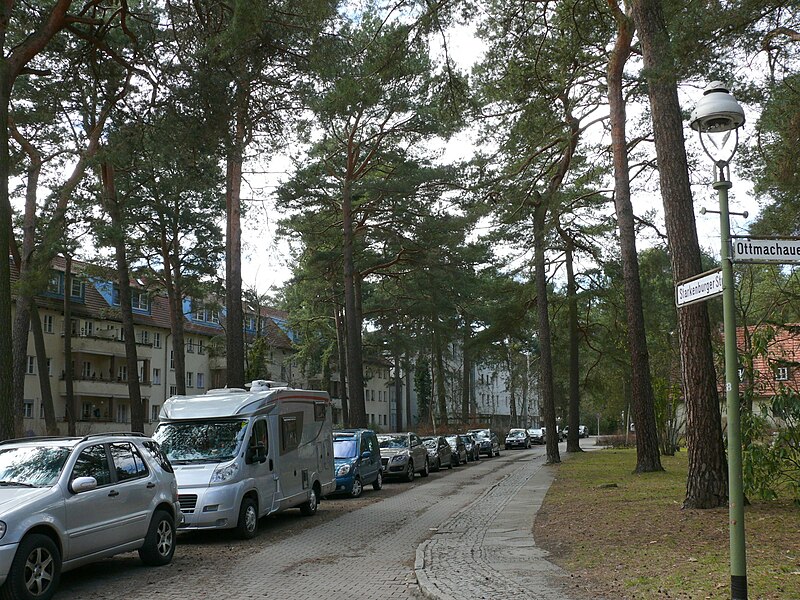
{"x": 488, "y": 440}
{"x": 439, "y": 452}
{"x": 536, "y": 435}
{"x": 473, "y": 448}
{"x": 517, "y": 438}
{"x": 357, "y": 461}
{"x": 459, "y": 449}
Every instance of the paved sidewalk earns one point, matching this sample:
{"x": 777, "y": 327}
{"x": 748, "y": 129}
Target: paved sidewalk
{"x": 486, "y": 550}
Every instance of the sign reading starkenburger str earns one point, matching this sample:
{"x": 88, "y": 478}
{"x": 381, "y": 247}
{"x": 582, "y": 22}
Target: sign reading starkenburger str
{"x": 765, "y": 250}
{"x": 704, "y": 286}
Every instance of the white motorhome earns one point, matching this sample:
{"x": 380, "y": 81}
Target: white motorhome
{"x": 239, "y": 455}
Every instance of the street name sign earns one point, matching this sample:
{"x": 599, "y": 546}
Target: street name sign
{"x": 702, "y": 287}
{"x": 765, "y": 250}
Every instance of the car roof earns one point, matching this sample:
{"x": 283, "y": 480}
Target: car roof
{"x": 55, "y": 441}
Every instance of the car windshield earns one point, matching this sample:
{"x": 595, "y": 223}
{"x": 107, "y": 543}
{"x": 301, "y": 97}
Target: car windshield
{"x": 393, "y": 441}
{"x": 344, "y": 448}
{"x": 201, "y": 441}
{"x": 32, "y": 466}
{"x": 481, "y": 434}
{"x": 516, "y": 434}
{"x": 452, "y": 440}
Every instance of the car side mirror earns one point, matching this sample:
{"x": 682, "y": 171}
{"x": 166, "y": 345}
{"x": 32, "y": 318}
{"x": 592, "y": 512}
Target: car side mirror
{"x": 83, "y": 484}
{"x": 366, "y": 455}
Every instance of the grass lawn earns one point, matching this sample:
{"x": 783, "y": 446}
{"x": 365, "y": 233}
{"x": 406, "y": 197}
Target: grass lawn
{"x": 626, "y": 536}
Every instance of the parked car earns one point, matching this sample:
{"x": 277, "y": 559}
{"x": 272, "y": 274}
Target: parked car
{"x": 459, "y": 449}
{"x": 488, "y": 440}
{"x": 561, "y": 435}
{"x": 536, "y": 435}
{"x": 517, "y": 438}
{"x": 473, "y": 447}
{"x": 439, "y": 452}
{"x": 119, "y": 488}
{"x": 356, "y": 461}
{"x": 402, "y": 455}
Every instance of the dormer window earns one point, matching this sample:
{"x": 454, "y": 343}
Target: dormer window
{"x": 139, "y": 299}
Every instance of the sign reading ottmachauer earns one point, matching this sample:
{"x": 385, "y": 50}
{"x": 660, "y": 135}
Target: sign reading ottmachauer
{"x": 765, "y": 250}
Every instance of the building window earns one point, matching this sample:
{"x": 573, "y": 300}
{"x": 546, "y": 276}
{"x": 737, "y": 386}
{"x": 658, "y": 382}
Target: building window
{"x": 782, "y": 374}
{"x": 122, "y": 413}
{"x": 156, "y": 376}
{"x": 77, "y": 289}
{"x": 172, "y": 360}
{"x": 49, "y": 367}
{"x": 54, "y": 284}
{"x": 190, "y": 345}
{"x": 189, "y": 379}
{"x": 173, "y": 390}
{"x": 30, "y": 367}
{"x": 144, "y": 337}
{"x": 27, "y": 409}
{"x": 86, "y": 370}
{"x": 201, "y": 380}
{"x": 154, "y": 410}
{"x": 47, "y": 323}
{"x": 156, "y": 340}
{"x": 139, "y": 300}
{"x": 122, "y": 373}
{"x": 200, "y": 348}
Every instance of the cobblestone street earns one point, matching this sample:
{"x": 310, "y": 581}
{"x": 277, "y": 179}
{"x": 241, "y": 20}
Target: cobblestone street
{"x": 367, "y": 552}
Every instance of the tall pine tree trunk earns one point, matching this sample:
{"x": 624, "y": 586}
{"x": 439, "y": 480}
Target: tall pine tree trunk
{"x": 51, "y": 427}
{"x": 643, "y": 399}
{"x": 707, "y": 482}
{"x": 9, "y": 412}
{"x": 234, "y": 317}
{"x": 355, "y": 369}
{"x": 545, "y": 348}
{"x": 441, "y": 393}
{"x": 112, "y": 205}
{"x": 573, "y": 419}
{"x": 466, "y": 374}
{"x": 171, "y": 262}
{"x": 69, "y": 371}
{"x": 398, "y": 388}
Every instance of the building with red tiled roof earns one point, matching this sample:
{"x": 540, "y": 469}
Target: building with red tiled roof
{"x": 776, "y": 364}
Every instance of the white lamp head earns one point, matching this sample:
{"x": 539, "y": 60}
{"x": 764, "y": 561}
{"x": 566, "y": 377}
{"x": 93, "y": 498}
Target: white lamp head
{"x": 717, "y": 110}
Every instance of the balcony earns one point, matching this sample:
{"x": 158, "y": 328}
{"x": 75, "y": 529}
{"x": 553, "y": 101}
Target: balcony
{"x": 99, "y": 386}
{"x": 106, "y": 346}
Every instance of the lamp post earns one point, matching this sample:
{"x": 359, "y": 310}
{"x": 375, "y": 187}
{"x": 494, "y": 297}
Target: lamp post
{"x": 719, "y": 113}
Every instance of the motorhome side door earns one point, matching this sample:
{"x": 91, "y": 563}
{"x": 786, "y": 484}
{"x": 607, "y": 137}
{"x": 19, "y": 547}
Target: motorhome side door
{"x": 260, "y": 465}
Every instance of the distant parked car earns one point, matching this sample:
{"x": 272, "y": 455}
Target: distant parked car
{"x": 357, "y": 461}
{"x": 459, "y": 449}
{"x": 402, "y": 455}
{"x": 517, "y": 438}
{"x": 69, "y": 501}
{"x": 439, "y": 452}
{"x": 488, "y": 440}
{"x": 536, "y": 435}
{"x": 473, "y": 447}
{"x": 561, "y": 434}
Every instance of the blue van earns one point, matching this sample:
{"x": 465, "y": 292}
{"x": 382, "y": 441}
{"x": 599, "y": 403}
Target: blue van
{"x": 357, "y": 461}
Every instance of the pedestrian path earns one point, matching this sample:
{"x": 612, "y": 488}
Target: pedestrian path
{"x": 486, "y": 550}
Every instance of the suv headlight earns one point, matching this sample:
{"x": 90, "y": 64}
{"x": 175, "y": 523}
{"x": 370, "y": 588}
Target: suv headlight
{"x": 343, "y": 470}
{"x": 2, "y": 529}
{"x": 399, "y": 458}
{"x": 225, "y": 472}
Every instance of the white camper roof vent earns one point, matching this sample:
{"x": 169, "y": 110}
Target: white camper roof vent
{"x": 260, "y": 385}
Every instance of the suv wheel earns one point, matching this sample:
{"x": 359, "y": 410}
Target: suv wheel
{"x": 35, "y": 570}
{"x": 357, "y": 488}
{"x": 247, "y": 525}
{"x": 378, "y": 483}
{"x": 159, "y": 544}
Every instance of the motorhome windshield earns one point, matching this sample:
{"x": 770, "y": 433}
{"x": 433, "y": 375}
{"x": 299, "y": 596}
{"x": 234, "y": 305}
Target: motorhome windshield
{"x": 345, "y": 448}
{"x": 201, "y": 441}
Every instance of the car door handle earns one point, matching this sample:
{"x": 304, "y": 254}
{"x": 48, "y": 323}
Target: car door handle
{"x": 113, "y": 493}
{"x": 150, "y": 485}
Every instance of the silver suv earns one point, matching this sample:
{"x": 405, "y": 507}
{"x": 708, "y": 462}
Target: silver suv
{"x": 65, "y": 502}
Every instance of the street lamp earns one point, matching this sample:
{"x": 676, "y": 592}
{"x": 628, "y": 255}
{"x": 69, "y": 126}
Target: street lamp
{"x": 716, "y": 116}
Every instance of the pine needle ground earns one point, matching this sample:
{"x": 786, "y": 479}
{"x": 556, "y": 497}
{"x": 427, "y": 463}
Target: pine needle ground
{"x": 625, "y": 536}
